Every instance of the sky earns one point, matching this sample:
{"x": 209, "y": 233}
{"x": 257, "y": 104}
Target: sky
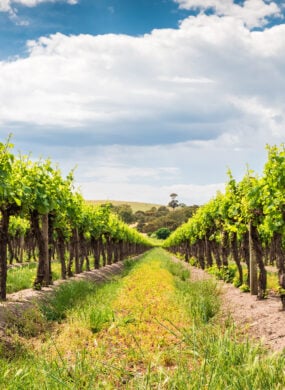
{"x": 144, "y": 97}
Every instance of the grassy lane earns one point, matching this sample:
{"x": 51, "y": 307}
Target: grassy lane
{"x": 142, "y": 342}
{"x": 149, "y": 329}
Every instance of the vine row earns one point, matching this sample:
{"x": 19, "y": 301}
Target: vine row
{"x": 245, "y": 223}
{"x": 43, "y": 217}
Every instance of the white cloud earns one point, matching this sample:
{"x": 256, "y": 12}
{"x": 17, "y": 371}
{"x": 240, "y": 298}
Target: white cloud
{"x": 199, "y": 98}
{"x": 9, "y": 6}
{"x": 171, "y": 84}
{"x": 33, "y": 3}
{"x": 194, "y": 170}
{"x": 253, "y": 13}
{"x": 6, "y": 5}
{"x": 186, "y": 80}
{"x": 153, "y": 172}
{"x": 189, "y": 194}
{"x": 195, "y": 194}
{"x": 118, "y": 173}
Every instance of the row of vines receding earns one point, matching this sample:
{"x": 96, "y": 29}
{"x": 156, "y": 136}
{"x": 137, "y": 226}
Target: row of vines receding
{"x": 246, "y": 224}
{"x": 43, "y": 218}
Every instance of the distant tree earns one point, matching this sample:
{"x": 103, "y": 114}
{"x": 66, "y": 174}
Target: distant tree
{"x": 151, "y": 212}
{"x": 163, "y": 209}
{"x": 162, "y": 233}
{"x": 125, "y": 212}
{"x": 139, "y": 214}
{"x": 150, "y": 221}
{"x": 174, "y": 202}
{"x": 141, "y": 227}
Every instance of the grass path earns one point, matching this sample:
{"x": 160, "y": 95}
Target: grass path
{"x": 150, "y": 328}
{"x": 142, "y": 339}
{"x": 138, "y": 338}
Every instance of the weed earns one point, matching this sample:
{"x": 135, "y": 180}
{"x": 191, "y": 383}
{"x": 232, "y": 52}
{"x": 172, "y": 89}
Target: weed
{"x": 223, "y": 273}
{"x": 200, "y": 298}
{"x": 65, "y": 297}
{"x": 178, "y": 270}
{"x": 244, "y": 288}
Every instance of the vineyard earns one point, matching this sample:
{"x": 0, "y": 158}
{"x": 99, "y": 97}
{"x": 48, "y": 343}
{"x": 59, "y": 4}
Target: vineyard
{"x": 246, "y": 223}
{"x": 43, "y": 218}
{"x": 147, "y": 322}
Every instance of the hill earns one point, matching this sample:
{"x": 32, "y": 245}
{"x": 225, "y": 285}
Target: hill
{"x": 149, "y": 217}
{"x": 136, "y": 206}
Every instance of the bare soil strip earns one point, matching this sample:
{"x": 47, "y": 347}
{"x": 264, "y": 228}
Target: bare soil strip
{"x": 261, "y": 320}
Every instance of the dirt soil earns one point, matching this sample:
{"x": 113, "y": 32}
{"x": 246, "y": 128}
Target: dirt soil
{"x": 262, "y": 320}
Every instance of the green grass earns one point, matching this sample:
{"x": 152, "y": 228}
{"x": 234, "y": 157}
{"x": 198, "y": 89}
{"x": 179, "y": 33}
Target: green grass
{"x": 67, "y": 296}
{"x": 155, "y": 241}
{"x": 20, "y": 278}
{"x": 272, "y": 282}
{"x": 177, "y": 269}
{"x": 172, "y": 328}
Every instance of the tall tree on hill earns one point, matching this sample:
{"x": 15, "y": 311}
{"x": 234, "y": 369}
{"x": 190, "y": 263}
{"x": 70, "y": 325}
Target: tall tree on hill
{"x": 174, "y": 202}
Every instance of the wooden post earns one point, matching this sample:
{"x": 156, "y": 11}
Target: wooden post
{"x": 46, "y": 279}
{"x": 4, "y": 226}
{"x": 22, "y": 244}
{"x": 252, "y": 264}
{"x": 76, "y": 251}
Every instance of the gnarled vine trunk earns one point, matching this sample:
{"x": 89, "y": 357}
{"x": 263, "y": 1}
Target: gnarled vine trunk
{"x": 3, "y": 252}
{"x": 61, "y": 252}
{"x": 208, "y": 252}
{"x": 225, "y": 249}
{"x": 256, "y": 255}
{"x": 280, "y": 257}
{"x": 41, "y": 233}
{"x": 234, "y": 248}
{"x": 244, "y": 250}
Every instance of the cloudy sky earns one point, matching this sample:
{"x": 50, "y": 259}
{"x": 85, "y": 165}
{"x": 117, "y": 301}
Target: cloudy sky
{"x": 145, "y": 97}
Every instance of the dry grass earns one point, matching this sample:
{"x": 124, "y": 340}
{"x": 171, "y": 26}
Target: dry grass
{"x": 136, "y": 206}
{"x": 142, "y": 334}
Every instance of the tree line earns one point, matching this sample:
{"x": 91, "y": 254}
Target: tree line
{"x": 156, "y": 218}
{"x": 43, "y": 217}
{"x": 246, "y": 223}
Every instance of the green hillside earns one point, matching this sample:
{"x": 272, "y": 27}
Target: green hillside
{"x": 134, "y": 205}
